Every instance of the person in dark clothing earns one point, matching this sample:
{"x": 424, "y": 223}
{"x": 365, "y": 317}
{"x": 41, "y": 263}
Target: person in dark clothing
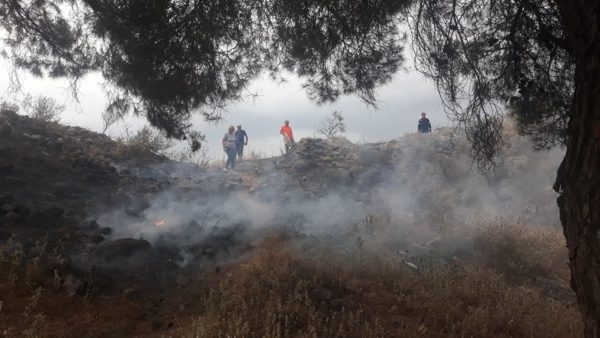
{"x": 241, "y": 140}
{"x": 424, "y": 126}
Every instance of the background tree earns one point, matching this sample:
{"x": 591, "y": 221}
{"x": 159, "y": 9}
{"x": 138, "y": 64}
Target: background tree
{"x": 540, "y": 59}
{"x": 333, "y": 125}
{"x": 486, "y": 55}
{"x": 166, "y": 59}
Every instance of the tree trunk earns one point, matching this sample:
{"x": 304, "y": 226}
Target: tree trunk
{"x": 578, "y": 179}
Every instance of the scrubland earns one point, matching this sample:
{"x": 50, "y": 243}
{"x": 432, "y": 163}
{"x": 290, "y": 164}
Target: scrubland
{"x": 105, "y": 238}
{"x": 513, "y": 284}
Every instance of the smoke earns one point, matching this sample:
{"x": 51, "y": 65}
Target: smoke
{"x": 406, "y": 195}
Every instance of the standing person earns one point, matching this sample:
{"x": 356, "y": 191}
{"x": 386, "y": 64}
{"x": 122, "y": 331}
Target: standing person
{"x": 288, "y": 136}
{"x": 229, "y": 147}
{"x": 424, "y": 126}
{"x": 241, "y": 139}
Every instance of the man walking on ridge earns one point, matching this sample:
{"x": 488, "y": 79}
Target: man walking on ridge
{"x": 288, "y": 136}
{"x": 229, "y": 147}
{"x": 424, "y": 126}
{"x": 241, "y": 139}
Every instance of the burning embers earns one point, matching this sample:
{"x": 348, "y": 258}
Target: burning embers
{"x": 160, "y": 223}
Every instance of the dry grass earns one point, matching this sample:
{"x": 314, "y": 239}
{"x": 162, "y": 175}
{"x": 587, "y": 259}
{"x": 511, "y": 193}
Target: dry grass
{"x": 474, "y": 301}
{"x": 524, "y": 251}
{"x": 301, "y": 287}
{"x": 334, "y": 293}
{"x": 29, "y": 272}
{"x": 256, "y": 155}
{"x": 278, "y": 294}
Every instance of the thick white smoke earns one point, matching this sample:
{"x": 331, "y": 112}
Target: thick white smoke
{"x": 410, "y": 191}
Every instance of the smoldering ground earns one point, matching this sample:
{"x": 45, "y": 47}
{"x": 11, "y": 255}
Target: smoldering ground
{"x": 419, "y": 194}
{"x": 332, "y": 238}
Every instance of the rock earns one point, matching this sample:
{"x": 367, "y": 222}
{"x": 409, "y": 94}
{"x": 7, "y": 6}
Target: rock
{"x": 130, "y": 293}
{"x": 156, "y": 324}
{"x": 61, "y": 189}
{"x": 96, "y": 238}
{"x": 6, "y": 168}
{"x": 8, "y": 207}
{"x": 59, "y": 144}
{"x": 48, "y": 196}
{"x": 4, "y": 235}
{"x": 105, "y": 231}
{"x": 54, "y": 212}
{"x": 136, "y": 207}
{"x": 48, "y": 218}
{"x": 124, "y": 248}
{"x": 224, "y": 233}
{"x": 182, "y": 280}
{"x": 194, "y": 226}
{"x": 11, "y": 216}
{"x": 12, "y": 180}
{"x": 72, "y": 286}
{"x": 337, "y": 304}
{"x": 34, "y": 274}
{"x": 6, "y": 129}
{"x": 322, "y": 293}
{"x": 34, "y": 136}
{"x": 92, "y": 225}
{"x": 64, "y": 263}
{"x": 410, "y": 265}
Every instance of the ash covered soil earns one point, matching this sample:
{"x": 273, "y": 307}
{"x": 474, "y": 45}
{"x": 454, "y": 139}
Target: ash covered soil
{"x": 400, "y": 238}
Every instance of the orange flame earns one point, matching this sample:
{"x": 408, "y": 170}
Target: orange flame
{"x": 160, "y": 222}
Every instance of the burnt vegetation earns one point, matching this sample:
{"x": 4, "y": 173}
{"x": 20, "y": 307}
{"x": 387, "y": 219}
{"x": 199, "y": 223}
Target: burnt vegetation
{"x": 334, "y": 239}
{"x": 167, "y": 59}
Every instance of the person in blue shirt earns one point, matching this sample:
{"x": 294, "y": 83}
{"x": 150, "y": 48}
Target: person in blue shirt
{"x": 241, "y": 140}
{"x": 424, "y": 126}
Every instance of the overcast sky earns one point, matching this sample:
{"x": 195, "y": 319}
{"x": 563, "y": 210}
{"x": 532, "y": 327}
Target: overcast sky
{"x": 400, "y": 104}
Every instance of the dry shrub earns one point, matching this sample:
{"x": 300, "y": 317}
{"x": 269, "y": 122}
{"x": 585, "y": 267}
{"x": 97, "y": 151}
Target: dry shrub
{"x": 280, "y": 292}
{"x": 26, "y": 272}
{"x": 524, "y": 251}
{"x": 43, "y": 108}
{"x": 145, "y": 141}
{"x": 474, "y": 301}
{"x": 332, "y": 126}
{"x": 256, "y": 155}
{"x": 9, "y": 106}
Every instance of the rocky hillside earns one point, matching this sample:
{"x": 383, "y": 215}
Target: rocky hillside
{"x": 86, "y": 217}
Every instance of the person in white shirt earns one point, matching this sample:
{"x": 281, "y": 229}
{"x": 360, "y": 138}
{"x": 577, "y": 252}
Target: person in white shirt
{"x": 229, "y": 148}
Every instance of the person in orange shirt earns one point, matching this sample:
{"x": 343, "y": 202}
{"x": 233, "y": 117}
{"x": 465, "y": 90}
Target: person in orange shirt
{"x": 288, "y": 136}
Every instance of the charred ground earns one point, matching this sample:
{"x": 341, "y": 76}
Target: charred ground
{"x": 402, "y": 238}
